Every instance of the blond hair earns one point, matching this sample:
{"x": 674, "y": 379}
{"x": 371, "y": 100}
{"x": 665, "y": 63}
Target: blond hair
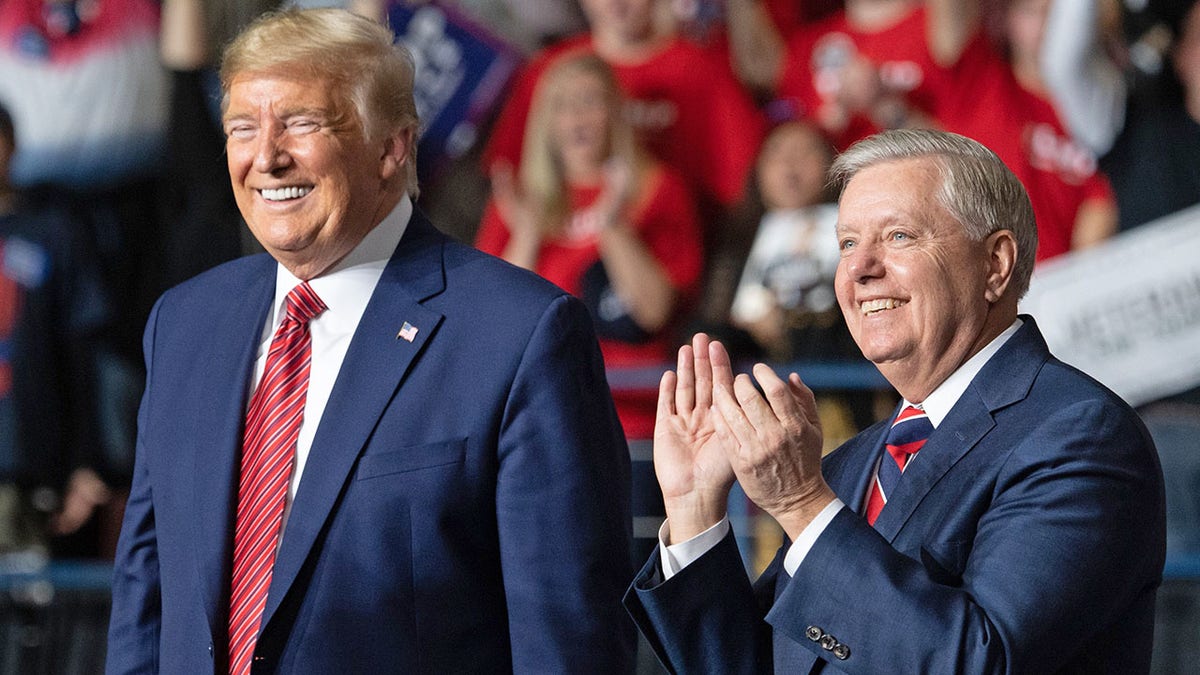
{"x": 542, "y": 176}
{"x": 356, "y": 56}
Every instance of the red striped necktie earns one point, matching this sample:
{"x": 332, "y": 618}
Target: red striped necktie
{"x": 268, "y": 452}
{"x": 905, "y": 439}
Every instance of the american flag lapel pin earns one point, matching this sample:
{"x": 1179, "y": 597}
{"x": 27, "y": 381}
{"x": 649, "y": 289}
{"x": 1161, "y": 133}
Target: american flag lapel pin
{"x": 408, "y": 332}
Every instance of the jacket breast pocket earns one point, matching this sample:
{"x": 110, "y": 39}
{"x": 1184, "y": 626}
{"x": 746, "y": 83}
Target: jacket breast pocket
{"x": 412, "y": 458}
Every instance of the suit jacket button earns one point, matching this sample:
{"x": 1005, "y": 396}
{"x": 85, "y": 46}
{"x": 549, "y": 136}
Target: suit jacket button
{"x": 828, "y": 642}
{"x": 841, "y": 651}
{"x": 813, "y": 633}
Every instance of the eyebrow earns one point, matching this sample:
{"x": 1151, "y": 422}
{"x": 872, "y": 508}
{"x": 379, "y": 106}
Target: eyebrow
{"x": 285, "y": 115}
{"x": 305, "y": 112}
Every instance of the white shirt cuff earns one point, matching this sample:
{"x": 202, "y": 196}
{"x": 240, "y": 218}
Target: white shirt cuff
{"x": 808, "y": 537}
{"x": 678, "y": 556}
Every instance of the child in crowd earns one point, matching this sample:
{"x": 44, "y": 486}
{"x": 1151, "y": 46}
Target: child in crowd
{"x": 785, "y": 297}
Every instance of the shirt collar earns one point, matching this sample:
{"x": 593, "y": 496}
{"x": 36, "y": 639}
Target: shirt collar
{"x": 938, "y": 404}
{"x": 348, "y": 285}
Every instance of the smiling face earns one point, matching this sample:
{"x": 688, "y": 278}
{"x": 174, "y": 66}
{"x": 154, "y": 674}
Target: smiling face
{"x": 308, "y": 183}
{"x": 580, "y": 124}
{"x": 792, "y": 166}
{"x": 919, "y": 296}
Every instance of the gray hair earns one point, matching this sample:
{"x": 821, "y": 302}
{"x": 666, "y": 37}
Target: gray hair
{"x": 977, "y": 189}
{"x": 354, "y": 54}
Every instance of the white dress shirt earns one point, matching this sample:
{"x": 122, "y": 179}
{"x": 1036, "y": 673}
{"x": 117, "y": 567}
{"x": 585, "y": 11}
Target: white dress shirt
{"x": 345, "y": 289}
{"x": 936, "y": 406}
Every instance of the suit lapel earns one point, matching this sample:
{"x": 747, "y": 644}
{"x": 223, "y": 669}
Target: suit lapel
{"x": 376, "y": 362}
{"x": 1003, "y": 380}
{"x": 222, "y": 391}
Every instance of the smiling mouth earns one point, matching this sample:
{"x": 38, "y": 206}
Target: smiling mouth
{"x": 284, "y": 194}
{"x": 870, "y": 307}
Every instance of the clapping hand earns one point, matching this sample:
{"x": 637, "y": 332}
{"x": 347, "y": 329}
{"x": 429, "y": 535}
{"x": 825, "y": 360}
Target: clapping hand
{"x": 773, "y": 441}
{"x": 712, "y": 428}
{"x": 689, "y": 458}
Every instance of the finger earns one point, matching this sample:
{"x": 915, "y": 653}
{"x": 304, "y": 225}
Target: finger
{"x": 804, "y": 397}
{"x": 779, "y": 393}
{"x": 728, "y": 439}
{"x": 704, "y": 371}
{"x": 731, "y": 413}
{"x": 685, "y": 383}
{"x": 756, "y": 409}
{"x": 666, "y": 399}
{"x": 722, "y": 367}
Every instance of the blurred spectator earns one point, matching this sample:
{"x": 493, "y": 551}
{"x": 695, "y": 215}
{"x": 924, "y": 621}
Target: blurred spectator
{"x": 1080, "y": 71}
{"x": 709, "y": 22}
{"x": 201, "y": 223}
{"x": 51, "y": 307}
{"x": 868, "y": 67}
{"x": 592, "y": 213}
{"x": 1155, "y": 162}
{"x": 1003, "y": 103}
{"x": 687, "y": 109}
{"x": 785, "y": 296}
{"x": 83, "y": 82}
{"x": 756, "y": 33}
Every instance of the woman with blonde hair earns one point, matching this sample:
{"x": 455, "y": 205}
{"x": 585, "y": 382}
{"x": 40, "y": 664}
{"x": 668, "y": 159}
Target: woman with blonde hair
{"x": 593, "y": 213}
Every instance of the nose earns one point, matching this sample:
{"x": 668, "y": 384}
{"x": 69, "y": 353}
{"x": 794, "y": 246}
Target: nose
{"x": 863, "y": 262}
{"x": 270, "y": 154}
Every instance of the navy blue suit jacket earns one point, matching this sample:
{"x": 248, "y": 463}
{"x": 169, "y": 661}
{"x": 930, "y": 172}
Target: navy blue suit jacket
{"x": 464, "y": 507}
{"x": 1027, "y": 537}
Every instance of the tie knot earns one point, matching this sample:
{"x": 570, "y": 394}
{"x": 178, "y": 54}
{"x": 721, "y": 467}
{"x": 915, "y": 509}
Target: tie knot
{"x": 908, "y": 433}
{"x": 302, "y": 303}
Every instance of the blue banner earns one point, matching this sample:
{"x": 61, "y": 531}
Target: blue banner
{"x": 461, "y": 73}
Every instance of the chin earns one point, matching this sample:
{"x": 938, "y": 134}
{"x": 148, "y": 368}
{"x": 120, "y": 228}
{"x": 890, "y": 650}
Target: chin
{"x": 881, "y": 353}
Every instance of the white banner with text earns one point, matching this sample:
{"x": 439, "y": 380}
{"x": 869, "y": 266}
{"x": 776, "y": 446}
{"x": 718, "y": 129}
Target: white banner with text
{"x": 1127, "y": 312}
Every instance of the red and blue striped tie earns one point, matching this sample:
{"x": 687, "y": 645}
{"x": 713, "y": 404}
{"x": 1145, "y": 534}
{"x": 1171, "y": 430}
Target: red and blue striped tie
{"x": 268, "y": 453}
{"x": 905, "y": 439}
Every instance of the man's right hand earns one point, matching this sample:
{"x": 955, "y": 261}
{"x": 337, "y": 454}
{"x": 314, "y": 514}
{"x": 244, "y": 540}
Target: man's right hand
{"x": 692, "y": 466}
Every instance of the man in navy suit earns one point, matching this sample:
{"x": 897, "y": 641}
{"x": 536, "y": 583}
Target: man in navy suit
{"x": 458, "y": 491}
{"x": 1022, "y": 531}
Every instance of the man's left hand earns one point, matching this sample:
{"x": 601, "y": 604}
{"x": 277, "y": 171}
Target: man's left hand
{"x": 775, "y": 443}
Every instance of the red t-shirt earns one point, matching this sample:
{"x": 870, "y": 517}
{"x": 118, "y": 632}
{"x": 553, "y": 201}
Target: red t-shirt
{"x": 1024, "y": 130}
{"x": 688, "y": 110}
{"x": 665, "y": 219}
{"x": 900, "y": 52}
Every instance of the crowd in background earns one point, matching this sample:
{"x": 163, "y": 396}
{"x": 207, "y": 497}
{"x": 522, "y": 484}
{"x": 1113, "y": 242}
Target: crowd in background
{"x": 662, "y": 159}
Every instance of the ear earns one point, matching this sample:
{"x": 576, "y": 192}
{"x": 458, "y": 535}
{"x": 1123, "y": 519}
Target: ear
{"x": 1001, "y": 247}
{"x": 397, "y": 149}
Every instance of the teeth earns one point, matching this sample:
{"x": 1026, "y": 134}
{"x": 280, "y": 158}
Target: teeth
{"x": 872, "y": 306}
{"x": 282, "y": 194}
